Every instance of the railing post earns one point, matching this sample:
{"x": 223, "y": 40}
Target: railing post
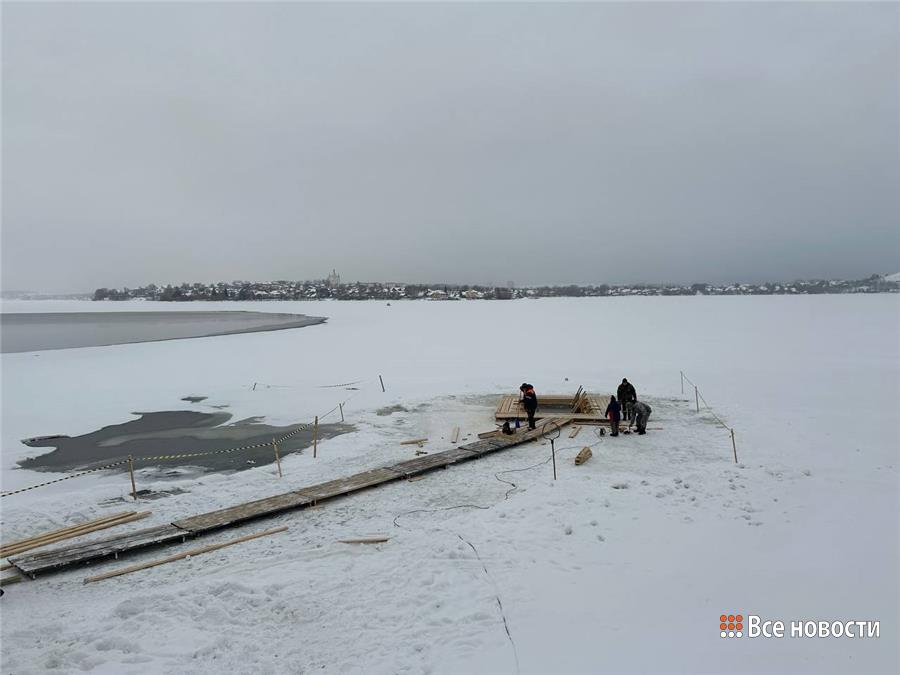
{"x": 697, "y": 397}
{"x": 131, "y": 471}
{"x": 277, "y": 457}
{"x": 734, "y": 447}
{"x": 315, "y": 436}
{"x": 682, "y": 381}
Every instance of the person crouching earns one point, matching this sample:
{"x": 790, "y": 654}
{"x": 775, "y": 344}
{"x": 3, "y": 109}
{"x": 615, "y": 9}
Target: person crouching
{"x": 641, "y": 415}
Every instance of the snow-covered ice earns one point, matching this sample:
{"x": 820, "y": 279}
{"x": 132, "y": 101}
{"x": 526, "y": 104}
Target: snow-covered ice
{"x": 623, "y": 564}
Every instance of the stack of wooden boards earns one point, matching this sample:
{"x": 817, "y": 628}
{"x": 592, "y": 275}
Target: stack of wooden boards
{"x": 194, "y": 526}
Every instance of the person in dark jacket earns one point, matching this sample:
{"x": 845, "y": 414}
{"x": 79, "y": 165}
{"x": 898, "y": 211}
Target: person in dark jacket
{"x": 529, "y": 402}
{"x": 641, "y": 415}
{"x": 614, "y": 414}
{"x": 627, "y": 396}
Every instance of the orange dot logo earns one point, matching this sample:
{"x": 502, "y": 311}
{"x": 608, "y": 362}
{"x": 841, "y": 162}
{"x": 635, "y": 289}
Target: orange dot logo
{"x": 731, "y": 625}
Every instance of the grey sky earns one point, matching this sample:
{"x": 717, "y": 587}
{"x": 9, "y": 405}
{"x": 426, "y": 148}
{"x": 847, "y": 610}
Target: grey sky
{"x": 545, "y": 143}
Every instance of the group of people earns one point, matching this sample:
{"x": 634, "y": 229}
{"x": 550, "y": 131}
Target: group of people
{"x": 623, "y": 406}
{"x": 627, "y": 408}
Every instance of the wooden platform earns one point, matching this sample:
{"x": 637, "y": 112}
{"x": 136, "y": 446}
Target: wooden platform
{"x": 581, "y": 407}
{"x": 194, "y": 526}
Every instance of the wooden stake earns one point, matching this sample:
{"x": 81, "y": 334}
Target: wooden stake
{"x": 315, "y": 436}
{"x": 455, "y": 437}
{"x": 574, "y": 432}
{"x": 368, "y": 540}
{"x": 185, "y": 554}
{"x": 414, "y": 441}
{"x": 131, "y": 471}
{"x": 682, "y": 381}
{"x": 341, "y": 406}
{"x": 734, "y": 446}
{"x": 697, "y": 398}
{"x": 277, "y": 458}
{"x": 382, "y": 383}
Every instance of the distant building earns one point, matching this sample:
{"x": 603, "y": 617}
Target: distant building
{"x": 333, "y": 280}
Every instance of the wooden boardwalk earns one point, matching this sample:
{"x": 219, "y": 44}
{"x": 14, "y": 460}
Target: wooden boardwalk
{"x": 194, "y": 526}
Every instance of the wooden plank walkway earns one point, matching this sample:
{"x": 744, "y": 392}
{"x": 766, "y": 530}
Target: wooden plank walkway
{"x": 342, "y": 486}
{"x": 59, "y": 558}
{"x": 194, "y": 526}
{"x": 233, "y": 515}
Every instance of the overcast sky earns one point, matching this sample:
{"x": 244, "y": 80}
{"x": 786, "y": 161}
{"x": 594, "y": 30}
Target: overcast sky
{"x": 539, "y": 143}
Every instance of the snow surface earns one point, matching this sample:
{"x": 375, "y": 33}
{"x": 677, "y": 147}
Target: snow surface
{"x": 623, "y": 564}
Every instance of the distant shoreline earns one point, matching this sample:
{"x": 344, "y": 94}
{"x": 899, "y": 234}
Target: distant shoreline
{"x": 332, "y": 289}
{"x": 30, "y": 332}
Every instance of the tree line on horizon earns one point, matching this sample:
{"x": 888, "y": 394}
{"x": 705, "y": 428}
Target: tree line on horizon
{"x": 322, "y": 290}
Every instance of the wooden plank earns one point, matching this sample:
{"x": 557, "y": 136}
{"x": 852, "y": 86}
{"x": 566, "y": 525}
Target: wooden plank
{"x": 183, "y": 554}
{"x": 357, "y": 481}
{"x": 584, "y": 455}
{"x": 414, "y": 441}
{"x": 572, "y": 417}
{"x": 574, "y": 432}
{"x": 40, "y": 542}
{"x": 483, "y": 446}
{"x": 9, "y": 546}
{"x": 78, "y": 533}
{"x": 436, "y": 460}
{"x": 243, "y": 512}
{"x": 36, "y": 563}
{"x": 366, "y": 540}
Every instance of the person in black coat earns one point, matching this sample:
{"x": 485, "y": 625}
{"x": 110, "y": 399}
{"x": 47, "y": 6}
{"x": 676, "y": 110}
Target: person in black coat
{"x": 627, "y": 396}
{"x": 614, "y": 415}
{"x": 529, "y": 402}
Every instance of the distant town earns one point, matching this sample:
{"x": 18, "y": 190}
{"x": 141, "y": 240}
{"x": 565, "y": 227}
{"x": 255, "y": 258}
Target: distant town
{"x": 332, "y": 288}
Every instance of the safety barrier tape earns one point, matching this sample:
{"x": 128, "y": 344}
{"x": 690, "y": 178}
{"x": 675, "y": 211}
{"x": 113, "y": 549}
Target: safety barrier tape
{"x": 58, "y": 480}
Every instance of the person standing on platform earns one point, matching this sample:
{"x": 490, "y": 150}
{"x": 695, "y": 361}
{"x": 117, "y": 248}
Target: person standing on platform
{"x": 614, "y": 414}
{"x": 529, "y": 402}
{"x": 627, "y": 396}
